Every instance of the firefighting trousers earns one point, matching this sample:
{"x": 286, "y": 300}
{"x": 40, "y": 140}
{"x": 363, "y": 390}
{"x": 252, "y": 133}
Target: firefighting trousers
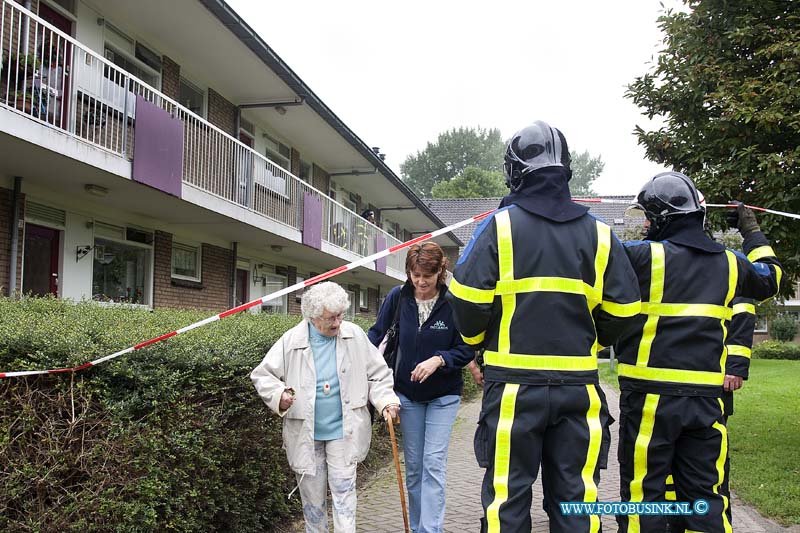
{"x": 684, "y": 436}
{"x": 562, "y": 429}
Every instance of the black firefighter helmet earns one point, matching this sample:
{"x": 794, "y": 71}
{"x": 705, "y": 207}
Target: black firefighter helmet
{"x": 533, "y": 147}
{"x": 666, "y": 196}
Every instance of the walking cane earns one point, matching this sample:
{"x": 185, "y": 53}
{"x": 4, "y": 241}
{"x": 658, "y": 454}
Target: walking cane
{"x": 399, "y": 475}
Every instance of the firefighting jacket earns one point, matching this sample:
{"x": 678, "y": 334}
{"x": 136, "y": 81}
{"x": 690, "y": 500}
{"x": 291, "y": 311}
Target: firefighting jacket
{"x": 541, "y": 297}
{"x": 679, "y": 344}
{"x": 740, "y": 338}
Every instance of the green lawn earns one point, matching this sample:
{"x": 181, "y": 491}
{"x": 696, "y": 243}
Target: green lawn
{"x": 764, "y": 438}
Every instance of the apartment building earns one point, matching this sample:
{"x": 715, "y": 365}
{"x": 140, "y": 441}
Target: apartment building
{"x": 161, "y": 154}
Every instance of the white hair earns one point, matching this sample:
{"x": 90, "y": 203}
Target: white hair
{"x": 326, "y": 295}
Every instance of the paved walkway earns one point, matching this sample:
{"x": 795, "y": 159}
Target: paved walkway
{"x": 379, "y": 502}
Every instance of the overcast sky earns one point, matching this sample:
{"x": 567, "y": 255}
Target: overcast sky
{"x": 400, "y": 73}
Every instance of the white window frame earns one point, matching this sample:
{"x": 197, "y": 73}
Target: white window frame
{"x": 200, "y": 89}
{"x": 149, "y": 265}
{"x": 198, "y": 251}
{"x": 298, "y": 294}
{"x": 363, "y": 298}
{"x": 310, "y": 171}
{"x": 276, "y": 279}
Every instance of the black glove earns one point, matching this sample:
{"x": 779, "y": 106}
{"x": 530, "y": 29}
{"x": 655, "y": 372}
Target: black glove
{"x": 742, "y": 219}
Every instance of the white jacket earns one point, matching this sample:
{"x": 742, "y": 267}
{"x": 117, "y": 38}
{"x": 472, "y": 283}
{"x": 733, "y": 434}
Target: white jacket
{"x": 363, "y": 375}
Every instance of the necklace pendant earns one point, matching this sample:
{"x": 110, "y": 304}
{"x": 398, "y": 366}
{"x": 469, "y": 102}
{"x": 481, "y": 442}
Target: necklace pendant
{"x": 326, "y": 388}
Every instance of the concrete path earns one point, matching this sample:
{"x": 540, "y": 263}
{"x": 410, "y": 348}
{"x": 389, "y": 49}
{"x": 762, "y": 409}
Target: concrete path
{"x": 379, "y": 502}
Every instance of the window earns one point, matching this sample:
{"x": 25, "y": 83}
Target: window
{"x": 363, "y": 299}
{"x": 305, "y": 171}
{"x": 298, "y": 294}
{"x": 278, "y": 152}
{"x": 186, "y": 261}
{"x": 274, "y": 283}
{"x": 761, "y": 324}
{"x": 192, "y": 97}
{"x": 120, "y": 272}
{"x": 132, "y": 56}
{"x": 350, "y": 313}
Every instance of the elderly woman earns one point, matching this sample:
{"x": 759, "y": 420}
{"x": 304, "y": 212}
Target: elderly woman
{"x": 319, "y": 376}
{"x": 427, "y": 378}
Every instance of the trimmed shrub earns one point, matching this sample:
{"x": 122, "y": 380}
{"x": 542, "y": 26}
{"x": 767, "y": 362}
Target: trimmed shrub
{"x": 776, "y": 350}
{"x": 783, "y": 328}
{"x": 170, "y": 437}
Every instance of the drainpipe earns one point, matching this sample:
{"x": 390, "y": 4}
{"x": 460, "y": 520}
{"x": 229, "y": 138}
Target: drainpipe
{"x": 233, "y": 274}
{"x": 12, "y": 269}
{"x": 25, "y": 23}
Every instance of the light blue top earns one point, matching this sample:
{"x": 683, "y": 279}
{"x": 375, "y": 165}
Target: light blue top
{"x": 327, "y": 407}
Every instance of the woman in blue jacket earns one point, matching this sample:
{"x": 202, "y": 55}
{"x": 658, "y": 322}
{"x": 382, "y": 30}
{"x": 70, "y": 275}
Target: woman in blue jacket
{"x": 427, "y": 377}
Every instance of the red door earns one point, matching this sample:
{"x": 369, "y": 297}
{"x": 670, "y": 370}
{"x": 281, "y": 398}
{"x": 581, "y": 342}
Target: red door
{"x": 56, "y": 55}
{"x": 241, "y": 287}
{"x": 40, "y": 262}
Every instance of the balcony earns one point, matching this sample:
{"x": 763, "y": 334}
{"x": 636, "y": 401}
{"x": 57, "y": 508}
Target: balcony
{"x": 55, "y": 81}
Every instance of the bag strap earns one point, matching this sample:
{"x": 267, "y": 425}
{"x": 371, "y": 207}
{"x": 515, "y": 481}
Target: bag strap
{"x": 396, "y": 318}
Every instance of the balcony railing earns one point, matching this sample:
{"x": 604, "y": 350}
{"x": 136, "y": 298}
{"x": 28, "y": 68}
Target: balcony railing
{"x": 53, "y": 79}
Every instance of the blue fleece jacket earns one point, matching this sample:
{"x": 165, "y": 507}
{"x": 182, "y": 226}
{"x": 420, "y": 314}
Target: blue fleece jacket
{"x": 438, "y": 335}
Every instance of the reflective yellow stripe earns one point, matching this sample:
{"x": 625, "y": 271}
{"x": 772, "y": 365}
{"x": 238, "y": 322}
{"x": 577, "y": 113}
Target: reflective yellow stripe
{"x": 694, "y": 310}
{"x": 692, "y": 377}
{"x": 540, "y": 362}
{"x": 505, "y": 263}
{"x": 778, "y": 276}
{"x": 743, "y": 351}
{"x": 656, "y": 294}
{"x": 592, "y": 454}
{"x": 670, "y": 494}
{"x": 744, "y": 308}
{"x": 502, "y": 456}
{"x": 723, "y": 453}
{"x": 621, "y": 310}
{"x": 477, "y": 339}
{"x": 543, "y": 284}
{"x": 760, "y": 252}
{"x": 471, "y": 294}
{"x": 601, "y": 260}
{"x": 733, "y": 278}
{"x": 640, "y": 456}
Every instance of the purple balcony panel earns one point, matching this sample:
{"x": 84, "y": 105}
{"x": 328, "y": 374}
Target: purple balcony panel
{"x": 158, "y": 148}
{"x": 312, "y": 220}
{"x": 380, "y": 244}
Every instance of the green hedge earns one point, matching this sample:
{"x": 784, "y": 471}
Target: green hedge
{"x": 168, "y": 438}
{"x": 777, "y": 350}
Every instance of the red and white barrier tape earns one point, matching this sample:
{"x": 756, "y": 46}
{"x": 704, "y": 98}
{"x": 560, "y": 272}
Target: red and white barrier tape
{"x": 316, "y": 279}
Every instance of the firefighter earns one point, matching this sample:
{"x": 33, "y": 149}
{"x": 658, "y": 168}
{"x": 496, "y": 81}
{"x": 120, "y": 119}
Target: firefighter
{"x": 672, "y": 366}
{"x": 540, "y": 287}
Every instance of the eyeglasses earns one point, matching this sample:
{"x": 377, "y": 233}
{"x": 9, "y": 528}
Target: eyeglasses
{"x": 333, "y": 319}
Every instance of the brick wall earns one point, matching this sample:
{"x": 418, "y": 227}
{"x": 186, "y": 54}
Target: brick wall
{"x": 6, "y": 212}
{"x": 222, "y": 113}
{"x": 170, "y": 78}
{"x": 320, "y": 179}
{"x": 212, "y": 292}
{"x": 294, "y": 164}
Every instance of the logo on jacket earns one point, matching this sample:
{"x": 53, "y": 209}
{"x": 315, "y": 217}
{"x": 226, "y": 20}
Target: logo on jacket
{"x": 439, "y": 324}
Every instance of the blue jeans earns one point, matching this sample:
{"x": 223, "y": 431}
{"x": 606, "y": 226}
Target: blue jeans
{"x": 426, "y": 430}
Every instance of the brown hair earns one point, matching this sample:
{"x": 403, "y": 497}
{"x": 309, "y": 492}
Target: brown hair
{"x": 430, "y": 259}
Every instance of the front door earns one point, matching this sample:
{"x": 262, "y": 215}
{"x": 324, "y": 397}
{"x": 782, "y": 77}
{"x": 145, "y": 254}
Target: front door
{"x": 56, "y": 57}
{"x": 241, "y": 286}
{"x": 40, "y": 262}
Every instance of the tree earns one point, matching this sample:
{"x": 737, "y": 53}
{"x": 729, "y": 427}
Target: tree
{"x": 473, "y": 182}
{"x": 450, "y": 155}
{"x": 726, "y": 85}
{"x": 585, "y": 169}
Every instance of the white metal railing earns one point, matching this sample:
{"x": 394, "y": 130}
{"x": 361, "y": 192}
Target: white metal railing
{"x": 52, "y": 78}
